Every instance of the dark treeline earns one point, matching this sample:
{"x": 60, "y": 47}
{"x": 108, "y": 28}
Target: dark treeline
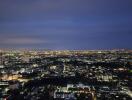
{"x": 63, "y": 81}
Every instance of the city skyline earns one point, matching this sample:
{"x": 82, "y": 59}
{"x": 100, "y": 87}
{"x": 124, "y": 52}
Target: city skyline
{"x": 66, "y": 24}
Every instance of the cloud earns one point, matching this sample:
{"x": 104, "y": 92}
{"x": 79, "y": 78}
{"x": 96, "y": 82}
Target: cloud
{"x": 21, "y": 10}
{"x": 23, "y": 41}
{"x": 65, "y": 23}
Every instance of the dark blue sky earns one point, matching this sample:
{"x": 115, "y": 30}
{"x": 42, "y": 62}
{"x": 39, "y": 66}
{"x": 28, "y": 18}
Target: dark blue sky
{"x": 66, "y": 24}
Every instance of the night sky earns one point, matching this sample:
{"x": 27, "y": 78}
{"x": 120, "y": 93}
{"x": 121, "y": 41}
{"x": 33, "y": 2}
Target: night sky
{"x": 66, "y": 24}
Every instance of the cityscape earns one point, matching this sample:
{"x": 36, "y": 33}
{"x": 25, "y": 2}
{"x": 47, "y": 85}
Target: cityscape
{"x": 66, "y": 75}
{"x": 65, "y": 49}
